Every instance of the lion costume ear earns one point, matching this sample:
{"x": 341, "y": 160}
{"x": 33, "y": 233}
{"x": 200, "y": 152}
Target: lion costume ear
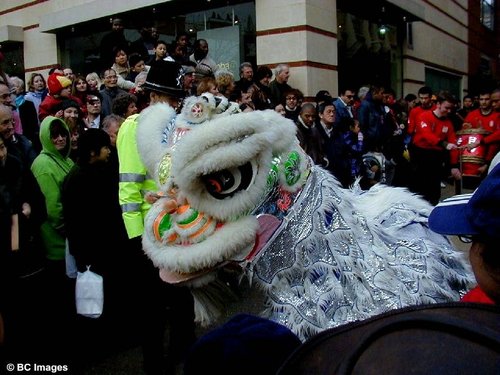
{"x": 280, "y": 129}
{"x": 154, "y": 125}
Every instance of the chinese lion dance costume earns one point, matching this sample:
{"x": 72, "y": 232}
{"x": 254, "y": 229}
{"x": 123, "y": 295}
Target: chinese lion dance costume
{"x": 237, "y": 191}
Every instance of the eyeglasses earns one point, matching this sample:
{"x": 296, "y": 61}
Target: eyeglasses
{"x": 466, "y": 239}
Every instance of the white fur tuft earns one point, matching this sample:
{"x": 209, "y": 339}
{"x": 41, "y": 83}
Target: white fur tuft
{"x": 152, "y": 123}
{"x": 229, "y": 142}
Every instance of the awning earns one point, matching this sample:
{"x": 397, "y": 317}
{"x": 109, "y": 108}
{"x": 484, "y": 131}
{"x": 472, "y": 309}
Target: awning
{"x": 410, "y": 6}
{"x": 73, "y": 15}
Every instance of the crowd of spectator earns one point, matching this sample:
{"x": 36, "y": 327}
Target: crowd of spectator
{"x": 61, "y": 171}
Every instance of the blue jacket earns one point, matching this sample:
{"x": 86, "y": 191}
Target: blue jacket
{"x": 341, "y": 110}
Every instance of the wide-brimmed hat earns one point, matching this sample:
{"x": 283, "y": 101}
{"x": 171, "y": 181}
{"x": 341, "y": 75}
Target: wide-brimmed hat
{"x": 476, "y": 214}
{"x": 165, "y": 77}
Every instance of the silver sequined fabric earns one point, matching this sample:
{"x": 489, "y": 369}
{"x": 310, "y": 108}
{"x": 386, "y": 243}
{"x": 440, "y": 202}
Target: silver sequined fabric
{"x": 327, "y": 265}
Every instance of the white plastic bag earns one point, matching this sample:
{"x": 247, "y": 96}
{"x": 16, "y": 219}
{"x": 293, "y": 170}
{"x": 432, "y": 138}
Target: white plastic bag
{"x": 89, "y": 294}
{"x": 71, "y": 269}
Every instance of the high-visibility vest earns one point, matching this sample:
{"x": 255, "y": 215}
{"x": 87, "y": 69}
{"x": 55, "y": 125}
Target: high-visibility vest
{"x": 134, "y": 179}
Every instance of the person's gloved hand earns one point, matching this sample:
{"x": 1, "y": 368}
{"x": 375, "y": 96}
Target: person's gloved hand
{"x": 451, "y": 146}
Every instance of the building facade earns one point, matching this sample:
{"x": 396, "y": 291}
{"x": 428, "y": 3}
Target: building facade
{"x": 329, "y": 44}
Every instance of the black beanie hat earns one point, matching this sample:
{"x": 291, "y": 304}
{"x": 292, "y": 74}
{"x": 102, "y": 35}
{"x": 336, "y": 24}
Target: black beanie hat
{"x": 69, "y": 103}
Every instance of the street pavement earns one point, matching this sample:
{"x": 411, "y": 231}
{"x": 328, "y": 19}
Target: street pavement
{"x": 129, "y": 362}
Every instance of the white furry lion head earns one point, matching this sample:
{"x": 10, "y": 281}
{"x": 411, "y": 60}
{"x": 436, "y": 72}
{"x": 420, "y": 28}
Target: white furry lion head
{"x": 221, "y": 167}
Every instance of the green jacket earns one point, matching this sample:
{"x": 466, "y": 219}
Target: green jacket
{"x": 134, "y": 181}
{"x": 50, "y": 168}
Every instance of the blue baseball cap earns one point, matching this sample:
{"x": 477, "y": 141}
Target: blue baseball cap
{"x": 476, "y": 214}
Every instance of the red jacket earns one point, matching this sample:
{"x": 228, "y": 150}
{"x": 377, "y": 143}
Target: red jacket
{"x": 487, "y": 122}
{"x": 431, "y": 131}
{"x": 50, "y": 105}
{"x": 490, "y": 123}
{"x": 478, "y": 296}
{"x": 413, "y": 118}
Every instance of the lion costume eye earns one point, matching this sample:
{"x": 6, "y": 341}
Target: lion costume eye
{"x": 227, "y": 182}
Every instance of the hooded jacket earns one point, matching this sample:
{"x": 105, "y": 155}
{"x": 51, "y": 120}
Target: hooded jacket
{"x": 50, "y": 168}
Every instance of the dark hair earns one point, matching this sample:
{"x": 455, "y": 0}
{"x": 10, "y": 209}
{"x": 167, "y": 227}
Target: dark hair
{"x": 344, "y": 89}
{"x": 68, "y": 103}
{"x": 134, "y": 58}
{"x": 75, "y": 82}
{"x": 323, "y": 96}
{"x": 159, "y": 41}
{"x": 485, "y": 91}
{"x": 445, "y": 96}
{"x": 198, "y": 42}
{"x": 57, "y": 128}
{"x": 92, "y": 94}
{"x": 91, "y": 140}
{"x": 322, "y": 106}
{"x": 245, "y": 85}
{"x": 410, "y": 97}
{"x": 172, "y": 47}
{"x": 235, "y": 95}
{"x": 425, "y": 90}
{"x": 295, "y": 92}
{"x": 263, "y": 71}
{"x": 118, "y": 49}
{"x": 390, "y": 91}
{"x": 120, "y": 104}
{"x": 345, "y": 124}
{"x": 178, "y": 37}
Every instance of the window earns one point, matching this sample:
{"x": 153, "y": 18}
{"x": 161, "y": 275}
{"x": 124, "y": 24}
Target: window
{"x": 488, "y": 13}
{"x": 440, "y": 80}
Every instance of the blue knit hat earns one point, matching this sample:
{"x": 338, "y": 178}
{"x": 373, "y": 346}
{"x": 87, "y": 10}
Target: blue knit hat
{"x": 246, "y": 344}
